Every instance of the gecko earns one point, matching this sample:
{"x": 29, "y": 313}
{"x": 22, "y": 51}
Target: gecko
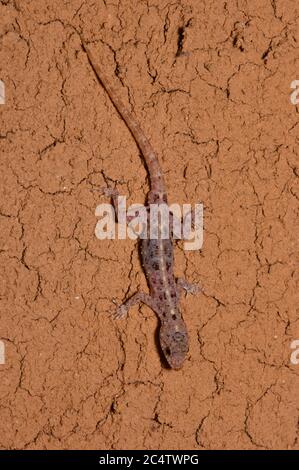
{"x": 157, "y": 255}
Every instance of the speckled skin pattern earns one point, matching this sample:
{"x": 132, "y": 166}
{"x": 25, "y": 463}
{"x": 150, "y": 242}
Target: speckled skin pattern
{"x": 157, "y": 254}
{"x": 157, "y": 257}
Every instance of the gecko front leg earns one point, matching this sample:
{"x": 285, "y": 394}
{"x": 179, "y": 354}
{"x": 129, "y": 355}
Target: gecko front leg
{"x": 139, "y": 297}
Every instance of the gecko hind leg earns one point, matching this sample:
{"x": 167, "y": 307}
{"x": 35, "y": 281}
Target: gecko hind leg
{"x": 114, "y": 194}
{"x": 139, "y": 297}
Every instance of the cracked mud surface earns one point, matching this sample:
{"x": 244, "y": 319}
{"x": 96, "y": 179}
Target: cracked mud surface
{"x": 210, "y": 85}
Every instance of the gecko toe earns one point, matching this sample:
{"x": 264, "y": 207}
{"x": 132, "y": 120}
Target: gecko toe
{"x": 121, "y": 312}
{"x": 193, "y": 289}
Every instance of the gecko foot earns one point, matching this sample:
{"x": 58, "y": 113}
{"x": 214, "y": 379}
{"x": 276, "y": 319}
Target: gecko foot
{"x": 190, "y": 288}
{"x": 121, "y": 312}
{"x": 109, "y": 192}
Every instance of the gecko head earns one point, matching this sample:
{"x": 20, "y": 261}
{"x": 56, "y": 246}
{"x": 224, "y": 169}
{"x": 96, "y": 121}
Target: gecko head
{"x": 174, "y": 342}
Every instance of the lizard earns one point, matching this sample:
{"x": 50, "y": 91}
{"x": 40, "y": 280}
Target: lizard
{"x": 157, "y": 254}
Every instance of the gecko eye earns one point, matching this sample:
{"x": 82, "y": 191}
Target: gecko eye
{"x": 178, "y": 337}
{"x": 167, "y": 351}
